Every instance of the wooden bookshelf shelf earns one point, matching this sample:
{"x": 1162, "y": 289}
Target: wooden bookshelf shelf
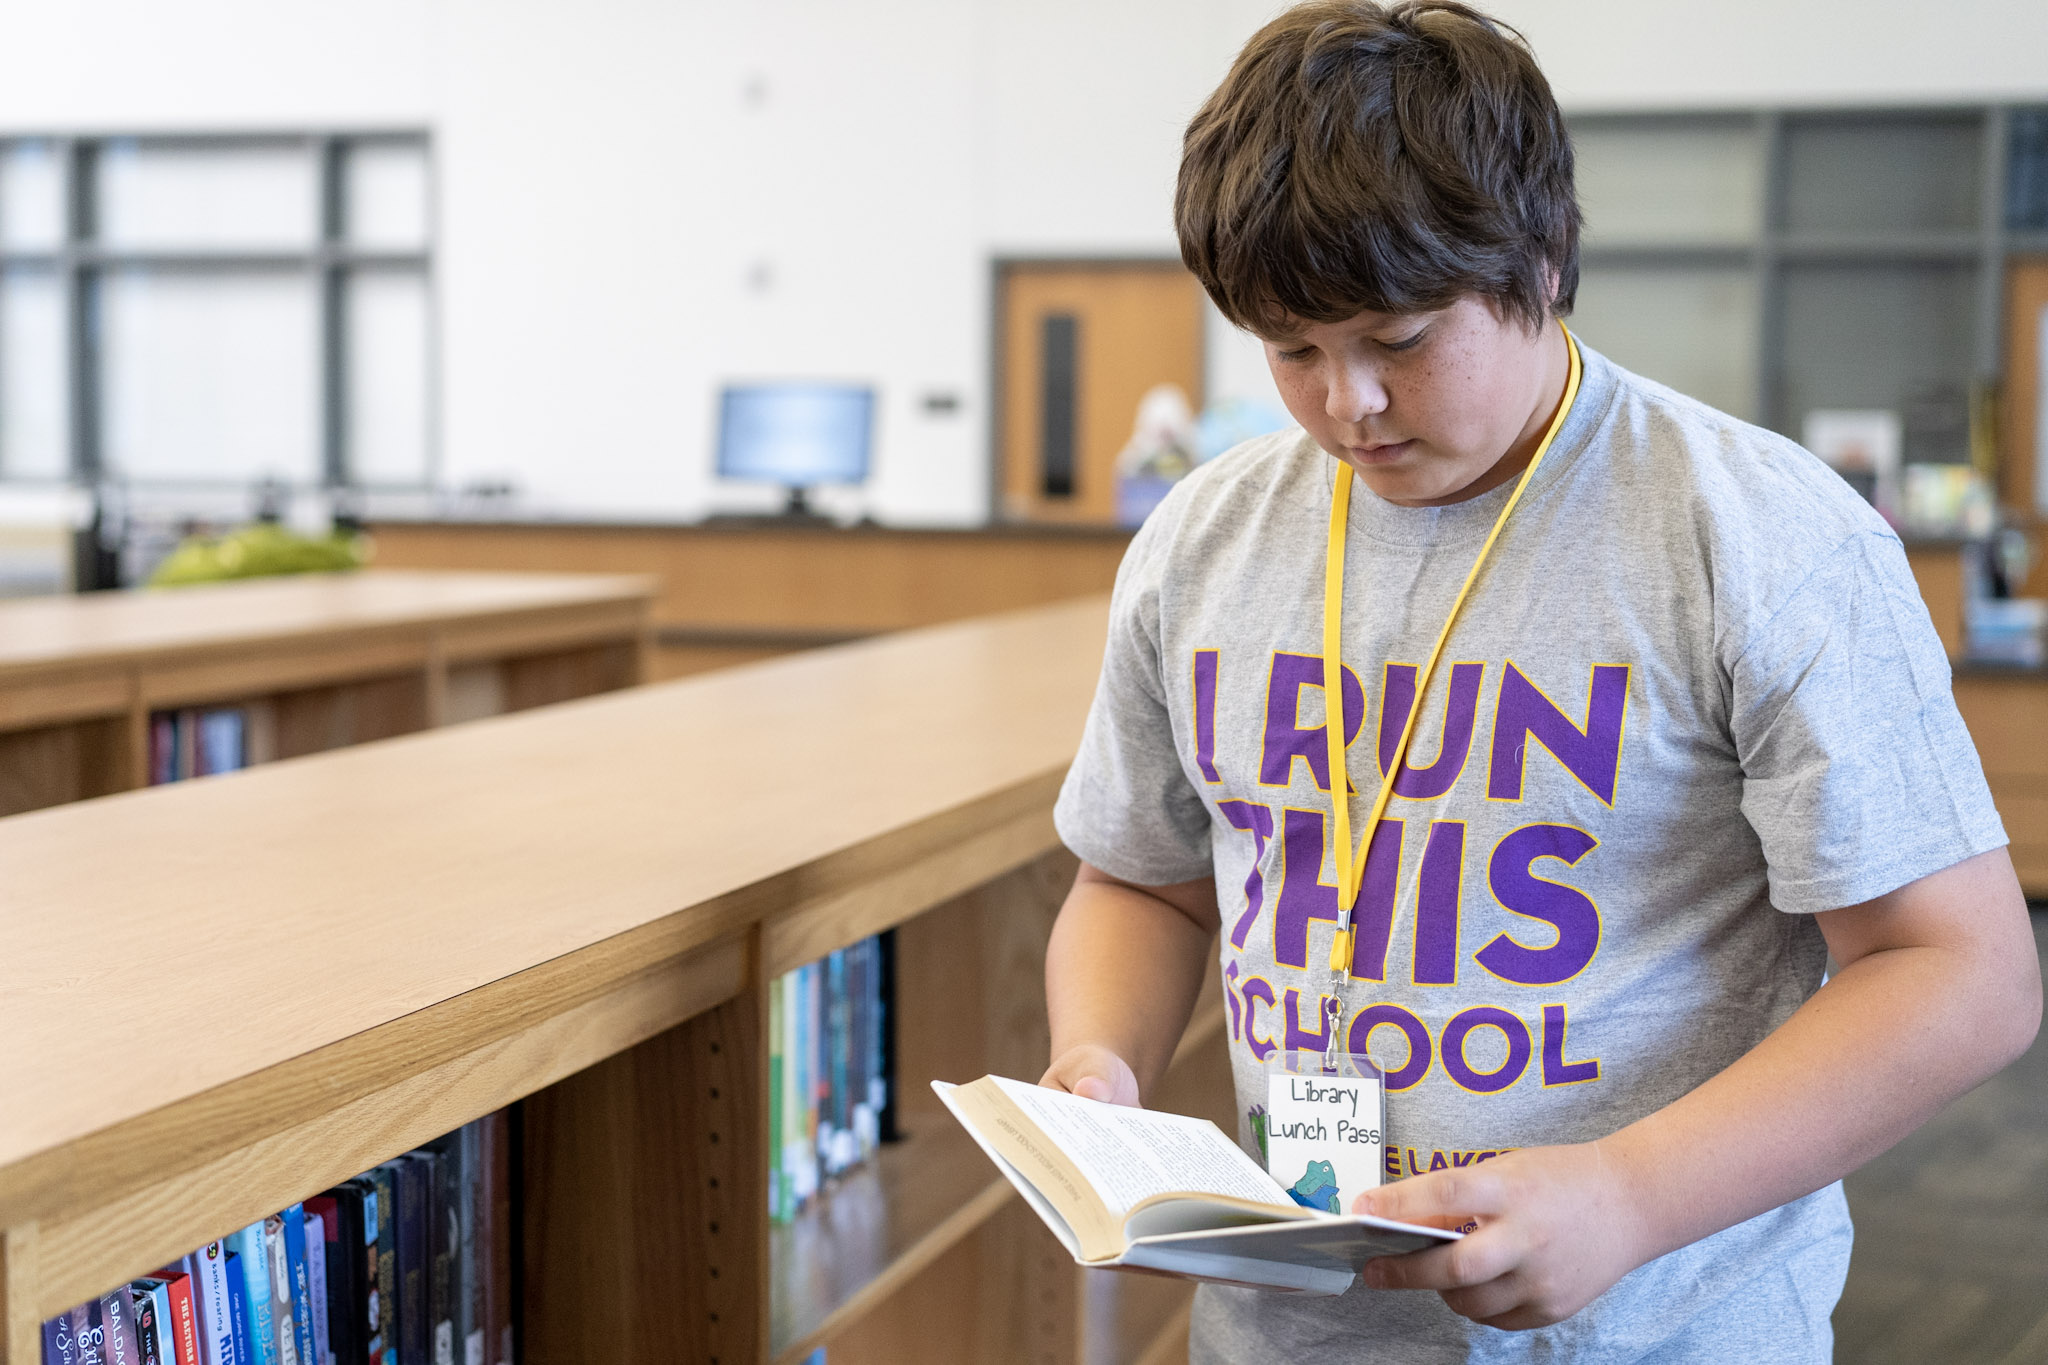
{"x": 876, "y": 1229}
{"x": 332, "y": 960}
{"x": 329, "y": 659}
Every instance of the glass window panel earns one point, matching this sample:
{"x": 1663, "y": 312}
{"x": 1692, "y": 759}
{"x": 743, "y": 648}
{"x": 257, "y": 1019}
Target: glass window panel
{"x": 34, "y": 430}
{"x": 387, "y": 195}
{"x": 1898, "y": 337}
{"x": 1872, "y": 176}
{"x": 2026, "y": 187}
{"x": 1693, "y": 328}
{"x": 31, "y": 196}
{"x": 177, "y": 197}
{"x": 210, "y": 376}
{"x": 1675, "y": 183}
{"x": 387, "y": 377}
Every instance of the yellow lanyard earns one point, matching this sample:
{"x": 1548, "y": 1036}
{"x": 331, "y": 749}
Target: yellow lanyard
{"x": 1350, "y": 868}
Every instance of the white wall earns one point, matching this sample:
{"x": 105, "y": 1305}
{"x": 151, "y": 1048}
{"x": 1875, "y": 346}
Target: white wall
{"x": 641, "y": 198}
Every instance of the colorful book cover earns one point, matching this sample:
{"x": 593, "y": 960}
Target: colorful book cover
{"x": 184, "y": 1317}
{"x": 89, "y": 1333}
{"x": 239, "y": 1269}
{"x": 59, "y": 1346}
{"x": 220, "y": 743}
{"x": 301, "y": 1278}
{"x": 777, "y": 1196}
{"x": 152, "y": 1308}
{"x": 163, "y": 748}
{"x": 349, "y": 1211}
{"x": 258, "y": 1289}
{"x": 316, "y": 1282}
{"x": 414, "y": 1179}
{"x": 211, "y": 1303}
{"x": 384, "y": 1348}
{"x": 117, "y": 1313}
{"x": 283, "y": 1334}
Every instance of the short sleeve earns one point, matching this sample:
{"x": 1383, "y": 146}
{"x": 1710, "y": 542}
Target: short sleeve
{"x": 1127, "y": 806}
{"x": 1858, "y": 774}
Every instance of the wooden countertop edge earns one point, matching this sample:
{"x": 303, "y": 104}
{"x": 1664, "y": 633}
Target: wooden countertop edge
{"x": 806, "y": 910}
{"x": 635, "y": 591}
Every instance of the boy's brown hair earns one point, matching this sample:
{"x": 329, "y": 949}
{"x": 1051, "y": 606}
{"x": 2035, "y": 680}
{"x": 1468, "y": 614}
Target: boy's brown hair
{"x": 1391, "y": 158}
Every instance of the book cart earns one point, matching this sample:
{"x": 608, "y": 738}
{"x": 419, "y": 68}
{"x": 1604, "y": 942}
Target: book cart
{"x": 332, "y": 659}
{"x": 223, "y": 996}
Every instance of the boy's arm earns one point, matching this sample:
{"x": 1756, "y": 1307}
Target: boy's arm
{"x": 1938, "y": 987}
{"x": 1121, "y": 976}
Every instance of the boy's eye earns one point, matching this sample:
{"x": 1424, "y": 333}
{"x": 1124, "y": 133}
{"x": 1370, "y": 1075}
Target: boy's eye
{"x": 1297, "y": 356}
{"x": 1407, "y": 343}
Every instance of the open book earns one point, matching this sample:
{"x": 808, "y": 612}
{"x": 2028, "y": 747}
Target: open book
{"x": 1164, "y": 1193}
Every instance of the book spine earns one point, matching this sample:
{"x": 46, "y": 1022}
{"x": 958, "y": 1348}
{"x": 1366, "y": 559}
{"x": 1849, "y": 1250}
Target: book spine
{"x": 301, "y": 1278}
{"x": 163, "y": 747}
{"x": 414, "y": 1193}
{"x": 184, "y": 1319}
{"x": 239, "y": 1269}
{"x": 498, "y": 1326}
{"x": 277, "y": 1259}
{"x": 257, "y": 1289}
{"x": 59, "y": 1346}
{"x": 151, "y": 1309}
{"x": 384, "y": 1344}
{"x": 214, "y": 1303}
{"x": 316, "y": 1287}
{"x": 444, "y": 1245}
{"x": 777, "y": 1208}
{"x": 187, "y": 763}
{"x": 469, "y": 1322}
{"x": 89, "y": 1331}
{"x": 117, "y": 1312}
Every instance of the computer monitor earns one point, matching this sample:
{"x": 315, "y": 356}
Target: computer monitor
{"x": 796, "y": 435}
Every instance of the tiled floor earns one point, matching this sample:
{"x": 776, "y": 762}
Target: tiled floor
{"x": 1951, "y": 1260}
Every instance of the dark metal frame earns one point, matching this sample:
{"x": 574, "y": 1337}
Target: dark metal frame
{"x": 1985, "y": 247}
{"x": 80, "y": 263}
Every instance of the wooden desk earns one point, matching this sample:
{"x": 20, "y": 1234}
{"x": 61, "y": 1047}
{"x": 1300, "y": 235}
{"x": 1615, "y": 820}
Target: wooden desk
{"x": 731, "y": 592}
{"x": 340, "y": 657}
{"x": 301, "y": 970}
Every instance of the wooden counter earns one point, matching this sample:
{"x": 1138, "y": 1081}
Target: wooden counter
{"x": 735, "y": 591}
{"x": 338, "y": 657}
{"x": 302, "y": 970}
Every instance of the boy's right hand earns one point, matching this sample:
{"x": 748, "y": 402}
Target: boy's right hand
{"x": 1094, "y": 1073}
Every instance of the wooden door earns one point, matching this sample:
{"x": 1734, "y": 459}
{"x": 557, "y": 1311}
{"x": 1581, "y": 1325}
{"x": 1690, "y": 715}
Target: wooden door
{"x": 1078, "y": 344}
{"x": 2024, "y": 424}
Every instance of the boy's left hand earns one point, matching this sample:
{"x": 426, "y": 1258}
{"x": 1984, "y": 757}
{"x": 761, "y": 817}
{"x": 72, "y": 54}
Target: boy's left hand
{"x": 1556, "y": 1227}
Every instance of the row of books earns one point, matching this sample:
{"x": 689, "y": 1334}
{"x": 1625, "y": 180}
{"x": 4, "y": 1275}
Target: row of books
{"x": 218, "y": 739}
{"x": 830, "y": 1061}
{"x": 407, "y": 1264}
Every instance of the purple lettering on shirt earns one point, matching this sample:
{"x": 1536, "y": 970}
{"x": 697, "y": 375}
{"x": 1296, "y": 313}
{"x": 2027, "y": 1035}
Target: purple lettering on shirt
{"x": 1258, "y": 821}
{"x": 1510, "y": 1070}
{"x": 1256, "y": 988}
{"x": 1300, "y": 1039}
{"x": 1437, "y": 898}
{"x": 1569, "y": 910}
{"x": 1359, "y": 1040}
{"x": 1397, "y": 694}
{"x": 1205, "y": 714}
{"x": 1305, "y": 897}
{"x": 1230, "y": 998}
{"x": 1591, "y": 753}
{"x": 1284, "y": 740}
{"x": 1556, "y": 1070}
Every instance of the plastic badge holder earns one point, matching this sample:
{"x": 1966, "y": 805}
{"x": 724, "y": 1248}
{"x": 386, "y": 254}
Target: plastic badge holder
{"x": 1322, "y": 1129}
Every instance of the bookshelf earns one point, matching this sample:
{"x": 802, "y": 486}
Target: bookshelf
{"x": 333, "y": 659}
{"x": 578, "y": 908}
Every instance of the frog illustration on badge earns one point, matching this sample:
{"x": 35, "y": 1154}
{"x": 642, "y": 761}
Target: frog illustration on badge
{"x": 1317, "y": 1188}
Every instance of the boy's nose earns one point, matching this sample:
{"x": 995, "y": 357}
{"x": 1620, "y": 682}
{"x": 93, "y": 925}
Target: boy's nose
{"x": 1352, "y": 395}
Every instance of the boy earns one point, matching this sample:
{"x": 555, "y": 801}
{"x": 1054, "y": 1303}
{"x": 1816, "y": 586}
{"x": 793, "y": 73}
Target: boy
{"x": 1692, "y": 733}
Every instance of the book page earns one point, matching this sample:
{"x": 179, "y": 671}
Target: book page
{"x": 1129, "y": 1155}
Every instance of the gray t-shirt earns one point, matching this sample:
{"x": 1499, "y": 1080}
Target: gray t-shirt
{"x": 1693, "y": 698}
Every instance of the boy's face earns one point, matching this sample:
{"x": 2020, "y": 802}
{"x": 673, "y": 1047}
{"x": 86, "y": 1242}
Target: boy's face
{"x": 1429, "y": 408}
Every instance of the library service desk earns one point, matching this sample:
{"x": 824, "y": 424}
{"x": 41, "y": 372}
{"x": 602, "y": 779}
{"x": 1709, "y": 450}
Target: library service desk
{"x": 224, "y": 995}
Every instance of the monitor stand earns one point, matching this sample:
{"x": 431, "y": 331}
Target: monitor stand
{"x": 796, "y": 512}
